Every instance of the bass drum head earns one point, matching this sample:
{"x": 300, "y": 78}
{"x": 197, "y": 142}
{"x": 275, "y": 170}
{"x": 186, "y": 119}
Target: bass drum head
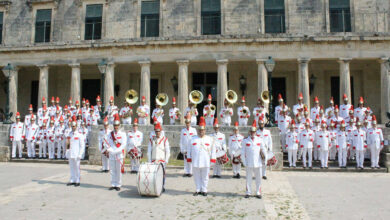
{"x": 159, "y": 179}
{"x": 150, "y": 179}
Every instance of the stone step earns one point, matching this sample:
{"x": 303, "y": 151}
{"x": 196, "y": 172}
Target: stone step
{"x": 36, "y": 160}
{"x": 336, "y": 169}
{"x": 351, "y": 163}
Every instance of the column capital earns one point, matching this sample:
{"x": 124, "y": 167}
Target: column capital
{"x": 222, "y": 62}
{"x": 383, "y": 60}
{"x": 144, "y": 63}
{"x": 75, "y": 65}
{"x": 183, "y": 62}
{"x": 261, "y": 60}
{"x": 304, "y": 60}
{"x": 344, "y": 60}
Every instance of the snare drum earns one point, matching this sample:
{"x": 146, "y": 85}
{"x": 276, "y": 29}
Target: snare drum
{"x": 150, "y": 179}
{"x": 271, "y": 159}
{"x": 223, "y": 159}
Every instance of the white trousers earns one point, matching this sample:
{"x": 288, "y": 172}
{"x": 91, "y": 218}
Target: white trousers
{"x": 74, "y": 165}
{"x": 342, "y": 155}
{"x": 30, "y": 148}
{"x": 51, "y": 149}
{"x": 209, "y": 121}
{"x": 143, "y": 121}
{"x": 375, "y": 152}
{"x": 352, "y": 153}
{"x": 292, "y": 157}
{"x": 283, "y": 141}
{"x": 201, "y": 177}
{"x": 250, "y": 171}
{"x": 359, "y": 158}
{"x": 61, "y": 149}
{"x": 243, "y": 121}
{"x": 14, "y": 145}
{"x": 134, "y": 164}
{"x": 300, "y": 152}
{"x": 217, "y": 169}
{"x": 236, "y": 168}
{"x": 172, "y": 121}
{"x": 115, "y": 171}
{"x": 42, "y": 149}
{"x": 324, "y": 157}
{"x": 332, "y": 152}
{"x": 105, "y": 163}
{"x": 187, "y": 167}
{"x": 316, "y": 152}
{"x": 193, "y": 121}
{"x": 126, "y": 121}
{"x": 309, "y": 153}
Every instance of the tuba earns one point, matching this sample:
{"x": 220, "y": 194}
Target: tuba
{"x": 162, "y": 99}
{"x": 131, "y": 96}
{"x": 265, "y": 97}
{"x": 231, "y": 97}
{"x": 196, "y": 97}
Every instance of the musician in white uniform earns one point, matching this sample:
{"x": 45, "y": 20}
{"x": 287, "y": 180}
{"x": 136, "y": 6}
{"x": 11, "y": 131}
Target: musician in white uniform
{"x": 253, "y": 152}
{"x": 243, "y": 113}
{"x": 306, "y": 139}
{"x": 31, "y": 133}
{"x": 226, "y": 113}
{"x": 220, "y": 149}
{"x": 209, "y": 111}
{"x": 360, "y": 110}
{"x": 40, "y": 110}
{"x": 314, "y": 111}
{"x": 98, "y": 107}
{"x": 174, "y": 113}
{"x": 126, "y": 112}
{"x": 134, "y": 141}
{"x": 330, "y": 109}
{"x": 283, "y": 123}
{"x": 159, "y": 149}
{"x": 193, "y": 111}
{"x": 235, "y": 147}
{"x": 143, "y": 112}
{"x": 344, "y": 108}
{"x": 280, "y": 107}
{"x": 259, "y": 111}
{"x": 298, "y": 108}
{"x": 323, "y": 141}
{"x": 265, "y": 135}
{"x": 375, "y": 143}
{"x": 75, "y": 149}
{"x": 359, "y": 144}
{"x": 201, "y": 154}
{"x": 117, "y": 141}
{"x": 27, "y": 118}
{"x": 158, "y": 113}
{"x": 103, "y": 145}
{"x": 292, "y": 144}
{"x": 16, "y": 136}
{"x": 185, "y": 141}
{"x": 60, "y": 139}
{"x": 111, "y": 110}
{"x": 342, "y": 145}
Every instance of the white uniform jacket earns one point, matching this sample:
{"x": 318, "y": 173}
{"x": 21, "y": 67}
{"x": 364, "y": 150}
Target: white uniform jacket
{"x": 241, "y": 114}
{"x": 359, "y": 139}
{"x": 193, "y": 116}
{"x": 235, "y": 145}
{"x": 60, "y": 133}
{"x": 51, "y": 134}
{"x": 297, "y": 108}
{"x": 31, "y": 132}
{"x": 103, "y": 137}
{"x": 306, "y": 138}
{"x": 207, "y": 112}
{"x": 278, "y": 109}
{"x": 265, "y": 135}
{"x": 172, "y": 115}
{"x": 201, "y": 152}
{"x": 77, "y": 145}
{"x": 226, "y": 114}
{"x": 250, "y": 152}
{"x": 117, "y": 142}
{"x": 360, "y": 113}
{"x": 323, "y": 140}
{"x": 284, "y": 123}
{"x": 143, "y": 109}
{"x": 159, "y": 114}
{"x": 341, "y": 139}
{"x": 219, "y": 143}
{"x": 375, "y": 138}
{"x": 185, "y": 138}
{"x": 159, "y": 150}
{"x": 314, "y": 112}
{"x": 17, "y": 131}
{"x": 292, "y": 140}
{"x": 134, "y": 140}
{"x": 344, "y": 109}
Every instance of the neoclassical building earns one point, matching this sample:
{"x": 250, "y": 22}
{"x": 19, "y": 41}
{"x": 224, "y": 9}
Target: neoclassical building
{"x": 321, "y": 48}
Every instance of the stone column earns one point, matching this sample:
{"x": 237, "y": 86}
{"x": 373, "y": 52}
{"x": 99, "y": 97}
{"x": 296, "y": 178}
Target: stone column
{"x": 145, "y": 82}
{"x": 13, "y": 93}
{"x": 43, "y": 90}
{"x": 345, "y": 78}
{"x": 262, "y": 78}
{"x": 222, "y": 83}
{"x": 182, "y": 98}
{"x": 303, "y": 80}
{"x": 75, "y": 83}
{"x": 385, "y": 88}
{"x": 109, "y": 83}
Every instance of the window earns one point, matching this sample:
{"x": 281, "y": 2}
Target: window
{"x": 339, "y": 16}
{"x": 211, "y": 17}
{"x": 335, "y": 89}
{"x": 93, "y": 22}
{"x": 274, "y": 16}
{"x": 1, "y": 27}
{"x": 42, "y": 26}
{"x": 150, "y": 18}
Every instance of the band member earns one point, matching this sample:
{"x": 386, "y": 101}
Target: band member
{"x": 58, "y": 104}
{"x": 60, "y": 139}
{"x": 336, "y": 118}
{"x": 209, "y": 111}
{"x": 134, "y": 141}
{"x": 44, "y": 116}
{"x": 253, "y": 152}
{"x": 226, "y": 113}
{"x": 344, "y": 107}
{"x": 40, "y": 110}
{"x": 283, "y": 122}
{"x": 42, "y": 140}
{"x": 159, "y": 149}
{"x": 235, "y": 147}
{"x": 103, "y": 144}
{"x": 143, "y": 112}
{"x": 201, "y": 154}
{"x": 329, "y": 112}
{"x": 77, "y": 110}
{"x": 297, "y": 109}
{"x": 71, "y": 107}
{"x": 360, "y": 110}
{"x": 186, "y": 135}
{"x": 52, "y": 109}
{"x": 368, "y": 117}
{"x": 193, "y": 112}
{"x": 112, "y": 110}
{"x": 375, "y": 142}
{"x": 316, "y": 127}
{"x": 57, "y": 117}
{"x": 292, "y": 144}
{"x": 84, "y": 108}
{"x": 350, "y": 129}
{"x": 342, "y": 145}
{"x": 220, "y": 149}
{"x": 243, "y": 113}
{"x": 259, "y": 111}
{"x": 84, "y": 131}
{"x": 51, "y": 138}
{"x": 16, "y": 136}
{"x": 174, "y": 113}
{"x": 116, "y": 146}
{"x": 306, "y": 139}
{"x": 27, "y": 118}
{"x": 125, "y": 113}
{"x": 359, "y": 144}
{"x": 31, "y": 133}
{"x": 280, "y": 107}
{"x": 332, "y": 134}
{"x": 314, "y": 111}
{"x": 158, "y": 113}
{"x": 75, "y": 149}
{"x": 323, "y": 143}
{"x": 91, "y": 120}
{"x": 265, "y": 135}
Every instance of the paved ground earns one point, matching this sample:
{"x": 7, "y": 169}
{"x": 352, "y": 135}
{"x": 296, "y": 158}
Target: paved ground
{"x": 38, "y": 191}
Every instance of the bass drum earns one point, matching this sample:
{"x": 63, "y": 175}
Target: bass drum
{"x": 150, "y": 179}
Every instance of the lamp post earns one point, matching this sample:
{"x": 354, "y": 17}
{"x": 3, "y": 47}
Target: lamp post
{"x": 102, "y": 68}
{"x": 270, "y": 65}
{"x": 7, "y": 70}
{"x": 175, "y": 83}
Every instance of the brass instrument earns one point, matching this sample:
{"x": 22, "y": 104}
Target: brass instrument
{"x": 128, "y": 113}
{"x": 131, "y": 96}
{"x": 193, "y": 109}
{"x": 245, "y": 111}
{"x": 211, "y": 109}
{"x": 231, "y": 97}
{"x": 162, "y": 99}
{"x": 196, "y": 97}
{"x": 141, "y": 113}
{"x": 265, "y": 97}
{"x": 178, "y": 113}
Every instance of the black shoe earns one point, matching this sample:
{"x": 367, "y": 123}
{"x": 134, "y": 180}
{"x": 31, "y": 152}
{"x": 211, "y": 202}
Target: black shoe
{"x": 238, "y": 176}
{"x": 219, "y": 177}
{"x": 117, "y": 188}
{"x": 235, "y": 177}
{"x": 322, "y": 168}
{"x": 214, "y": 176}
{"x": 264, "y": 177}
{"x": 70, "y": 184}
{"x": 311, "y": 168}
{"x": 258, "y": 196}
{"x": 163, "y": 190}
{"x": 185, "y": 175}
{"x": 204, "y": 194}
{"x": 77, "y": 184}
{"x": 246, "y": 196}
{"x": 196, "y": 193}
{"x": 326, "y": 167}
{"x": 111, "y": 188}
{"x": 103, "y": 171}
